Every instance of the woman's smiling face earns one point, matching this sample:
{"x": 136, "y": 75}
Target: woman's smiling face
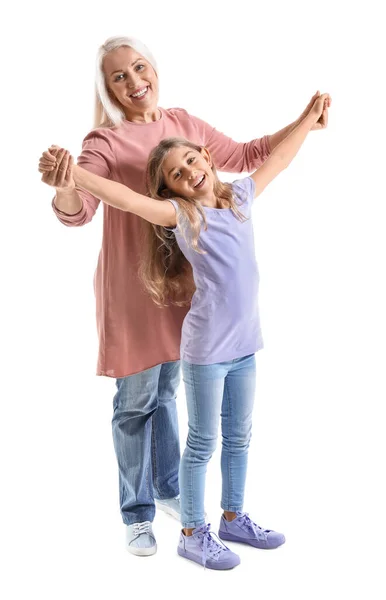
{"x": 131, "y": 80}
{"x": 188, "y": 173}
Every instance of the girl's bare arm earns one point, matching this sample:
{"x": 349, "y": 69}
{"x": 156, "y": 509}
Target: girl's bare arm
{"x": 119, "y": 196}
{"x": 59, "y": 171}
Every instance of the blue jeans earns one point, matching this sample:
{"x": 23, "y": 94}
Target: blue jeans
{"x": 146, "y": 440}
{"x": 225, "y": 390}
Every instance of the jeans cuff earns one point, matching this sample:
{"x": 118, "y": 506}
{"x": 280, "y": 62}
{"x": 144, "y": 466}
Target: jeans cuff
{"x": 231, "y": 508}
{"x": 193, "y": 524}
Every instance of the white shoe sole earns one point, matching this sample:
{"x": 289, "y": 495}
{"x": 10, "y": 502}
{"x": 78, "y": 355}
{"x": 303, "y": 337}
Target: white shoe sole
{"x": 141, "y": 551}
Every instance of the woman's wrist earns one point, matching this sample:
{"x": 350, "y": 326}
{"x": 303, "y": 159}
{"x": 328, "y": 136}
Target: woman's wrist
{"x": 70, "y": 187}
{"x": 308, "y": 121}
{"x": 80, "y": 176}
{"x": 67, "y": 201}
{"x": 75, "y": 173}
{"x": 69, "y": 190}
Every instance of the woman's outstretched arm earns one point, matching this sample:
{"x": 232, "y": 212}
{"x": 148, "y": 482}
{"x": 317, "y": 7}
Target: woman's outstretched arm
{"x": 275, "y": 138}
{"x": 67, "y": 199}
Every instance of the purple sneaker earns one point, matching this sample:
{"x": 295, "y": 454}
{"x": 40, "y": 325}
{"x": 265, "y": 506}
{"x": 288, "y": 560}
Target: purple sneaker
{"x": 202, "y": 548}
{"x": 243, "y": 530}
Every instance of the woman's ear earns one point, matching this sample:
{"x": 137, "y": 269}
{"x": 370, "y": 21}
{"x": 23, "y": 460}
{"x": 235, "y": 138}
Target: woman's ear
{"x": 206, "y": 154}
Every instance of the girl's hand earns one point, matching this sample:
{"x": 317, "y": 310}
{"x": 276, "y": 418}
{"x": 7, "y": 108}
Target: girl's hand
{"x": 56, "y": 165}
{"x": 322, "y": 121}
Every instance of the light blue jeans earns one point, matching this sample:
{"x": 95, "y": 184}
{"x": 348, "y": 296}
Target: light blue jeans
{"x": 146, "y": 440}
{"x": 225, "y": 390}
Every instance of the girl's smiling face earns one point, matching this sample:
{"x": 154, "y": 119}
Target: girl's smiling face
{"x": 131, "y": 80}
{"x": 188, "y": 173}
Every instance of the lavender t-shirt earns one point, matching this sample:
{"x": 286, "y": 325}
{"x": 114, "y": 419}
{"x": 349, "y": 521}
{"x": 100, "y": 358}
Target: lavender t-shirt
{"x": 223, "y": 321}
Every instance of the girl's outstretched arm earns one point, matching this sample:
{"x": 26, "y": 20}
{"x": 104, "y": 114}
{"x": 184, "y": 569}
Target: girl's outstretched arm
{"x": 115, "y": 194}
{"x": 285, "y": 152}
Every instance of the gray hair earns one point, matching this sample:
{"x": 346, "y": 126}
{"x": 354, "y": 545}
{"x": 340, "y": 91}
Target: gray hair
{"x": 106, "y": 112}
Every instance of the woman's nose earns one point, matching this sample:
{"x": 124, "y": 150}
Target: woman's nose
{"x": 132, "y": 81}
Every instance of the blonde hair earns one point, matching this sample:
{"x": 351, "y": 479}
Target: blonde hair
{"x": 164, "y": 270}
{"x": 107, "y": 113}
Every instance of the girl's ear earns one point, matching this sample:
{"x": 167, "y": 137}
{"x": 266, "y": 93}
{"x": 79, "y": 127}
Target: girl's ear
{"x": 206, "y": 154}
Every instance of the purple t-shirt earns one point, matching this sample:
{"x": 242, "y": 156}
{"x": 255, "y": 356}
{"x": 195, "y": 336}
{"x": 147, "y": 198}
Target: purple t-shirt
{"x": 223, "y": 321}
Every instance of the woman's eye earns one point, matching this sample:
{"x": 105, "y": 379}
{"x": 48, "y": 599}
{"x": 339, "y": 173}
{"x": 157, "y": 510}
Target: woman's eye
{"x": 176, "y": 175}
{"x": 139, "y": 67}
{"x": 119, "y": 77}
{"x": 190, "y": 160}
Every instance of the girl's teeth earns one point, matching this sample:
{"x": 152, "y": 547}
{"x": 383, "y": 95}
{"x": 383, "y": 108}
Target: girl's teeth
{"x": 198, "y": 182}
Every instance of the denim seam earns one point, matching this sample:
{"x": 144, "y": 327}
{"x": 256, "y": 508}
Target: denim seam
{"x": 194, "y": 461}
{"x": 230, "y": 476}
{"x": 153, "y": 455}
{"x": 223, "y": 449}
{"x": 148, "y": 469}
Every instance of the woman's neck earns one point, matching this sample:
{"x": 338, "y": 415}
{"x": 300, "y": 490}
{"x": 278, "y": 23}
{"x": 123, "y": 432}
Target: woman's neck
{"x": 148, "y": 116}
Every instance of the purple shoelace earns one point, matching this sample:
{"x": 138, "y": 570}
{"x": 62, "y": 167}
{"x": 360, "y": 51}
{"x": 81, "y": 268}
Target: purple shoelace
{"x": 258, "y": 531}
{"x": 210, "y": 545}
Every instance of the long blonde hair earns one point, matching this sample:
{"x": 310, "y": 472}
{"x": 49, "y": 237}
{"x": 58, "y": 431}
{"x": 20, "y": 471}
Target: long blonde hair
{"x": 164, "y": 270}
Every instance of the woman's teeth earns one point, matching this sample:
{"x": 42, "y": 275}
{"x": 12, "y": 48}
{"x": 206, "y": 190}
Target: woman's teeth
{"x": 140, "y": 93}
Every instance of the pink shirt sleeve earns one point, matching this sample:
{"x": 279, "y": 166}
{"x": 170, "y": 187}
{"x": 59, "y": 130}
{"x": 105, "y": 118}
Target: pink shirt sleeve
{"x": 97, "y": 157}
{"x": 229, "y": 155}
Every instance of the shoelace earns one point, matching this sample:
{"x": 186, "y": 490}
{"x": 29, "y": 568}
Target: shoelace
{"x": 258, "y": 531}
{"x": 210, "y": 546}
{"x": 140, "y": 528}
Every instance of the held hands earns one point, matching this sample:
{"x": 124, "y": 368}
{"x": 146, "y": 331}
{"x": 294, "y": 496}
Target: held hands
{"x": 317, "y": 107}
{"x": 56, "y": 164}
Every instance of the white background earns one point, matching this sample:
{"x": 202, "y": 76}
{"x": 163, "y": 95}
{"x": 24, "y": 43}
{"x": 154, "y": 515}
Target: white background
{"x": 317, "y": 455}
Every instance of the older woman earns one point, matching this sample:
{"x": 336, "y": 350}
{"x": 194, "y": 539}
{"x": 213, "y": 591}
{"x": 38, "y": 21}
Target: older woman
{"x": 139, "y": 342}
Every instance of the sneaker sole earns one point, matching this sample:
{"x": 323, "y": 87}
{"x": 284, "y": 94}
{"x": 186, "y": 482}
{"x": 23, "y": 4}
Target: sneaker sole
{"x": 141, "y": 551}
{"x": 214, "y": 566}
{"x": 233, "y": 538}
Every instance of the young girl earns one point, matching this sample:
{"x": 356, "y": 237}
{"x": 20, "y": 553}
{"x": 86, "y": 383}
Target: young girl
{"x": 204, "y": 227}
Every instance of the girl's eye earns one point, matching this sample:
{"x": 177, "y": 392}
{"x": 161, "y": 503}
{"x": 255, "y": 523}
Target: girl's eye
{"x": 139, "y": 67}
{"x": 190, "y": 160}
{"x": 119, "y": 77}
{"x": 176, "y": 175}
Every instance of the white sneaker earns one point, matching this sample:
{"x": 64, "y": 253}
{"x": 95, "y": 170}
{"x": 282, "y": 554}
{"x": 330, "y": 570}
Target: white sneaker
{"x": 140, "y": 539}
{"x": 171, "y": 506}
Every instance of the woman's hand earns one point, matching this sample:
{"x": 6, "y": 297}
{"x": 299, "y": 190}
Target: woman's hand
{"x": 56, "y": 165}
{"x": 319, "y": 107}
{"x": 322, "y": 121}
